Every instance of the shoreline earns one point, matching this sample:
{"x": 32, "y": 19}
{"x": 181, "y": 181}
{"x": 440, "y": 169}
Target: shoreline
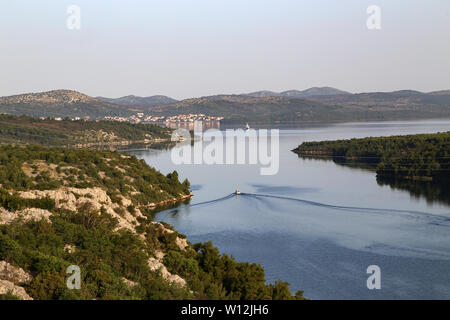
{"x": 153, "y": 206}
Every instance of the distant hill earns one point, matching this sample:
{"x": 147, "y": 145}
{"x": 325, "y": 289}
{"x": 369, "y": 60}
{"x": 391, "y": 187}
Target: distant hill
{"x": 139, "y": 101}
{"x": 315, "y": 91}
{"x": 400, "y": 98}
{"x": 60, "y": 103}
{"x": 263, "y": 93}
{"x": 319, "y": 105}
{"x": 401, "y": 105}
{"x": 440, "y": 92}
{"x": 242, "y": 108}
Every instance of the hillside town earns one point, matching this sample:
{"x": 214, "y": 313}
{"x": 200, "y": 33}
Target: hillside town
{"x": 182, "y": 118}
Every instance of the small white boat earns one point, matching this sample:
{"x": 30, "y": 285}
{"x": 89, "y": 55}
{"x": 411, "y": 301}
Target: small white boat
{"x": 247, "y": 127}
{"x": 237, "y": 192}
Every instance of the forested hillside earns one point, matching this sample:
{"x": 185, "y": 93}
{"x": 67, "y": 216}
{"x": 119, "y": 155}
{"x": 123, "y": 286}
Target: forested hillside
{"x": 28, "y": 130}
{"x": 93, "y": 209}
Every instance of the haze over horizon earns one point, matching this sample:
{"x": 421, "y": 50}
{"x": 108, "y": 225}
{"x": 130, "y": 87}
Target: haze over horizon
{"x": 222, "y": 47}
{"x": 216, "y": 94}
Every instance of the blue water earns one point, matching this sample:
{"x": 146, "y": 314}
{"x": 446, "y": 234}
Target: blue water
{"x": 319, "y": 225}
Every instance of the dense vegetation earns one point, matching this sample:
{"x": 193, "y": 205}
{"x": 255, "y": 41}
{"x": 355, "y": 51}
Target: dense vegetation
{"x": 416, "y": 157}
{"x": 41, "y": 168}
{"x": 28, "y": 130}
{"x": 113, "y": 259}
{"x": 106, "y": 258}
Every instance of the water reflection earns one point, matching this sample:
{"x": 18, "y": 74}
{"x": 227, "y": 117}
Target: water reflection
{"x": 431, "y": 191}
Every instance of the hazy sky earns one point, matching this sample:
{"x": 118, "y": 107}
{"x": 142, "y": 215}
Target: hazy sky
{"x": 187, "y": 48}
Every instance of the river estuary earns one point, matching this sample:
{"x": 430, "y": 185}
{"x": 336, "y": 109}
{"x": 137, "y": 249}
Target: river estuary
{"x": 322, "y": 245}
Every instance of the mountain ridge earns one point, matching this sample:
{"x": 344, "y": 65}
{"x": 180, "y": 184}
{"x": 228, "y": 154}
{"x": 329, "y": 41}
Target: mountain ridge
{"x": 313, "y": 91}
{"x": 60, "y": 103}
{"x": 387, "y": 99}
{"x": 139, "y": 101}
{"x": 262, "y": 107}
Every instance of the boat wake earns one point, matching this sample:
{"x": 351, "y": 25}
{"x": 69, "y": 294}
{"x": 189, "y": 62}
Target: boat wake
{"x": 432, "y": 218}
{"x": 385, "y": 231}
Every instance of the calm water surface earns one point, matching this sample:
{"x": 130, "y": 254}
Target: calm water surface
{"x": 322, "y": 250}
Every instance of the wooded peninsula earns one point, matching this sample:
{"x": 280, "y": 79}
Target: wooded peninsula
{"x": 414, "y": 157}
{"x": 77, "y": 133}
